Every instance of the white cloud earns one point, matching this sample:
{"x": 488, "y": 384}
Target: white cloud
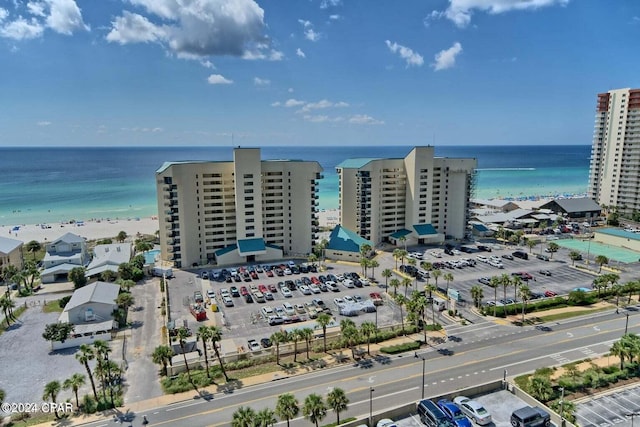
{"x": 411, "y": 57}
{"x": 305, "y": 23}
{"x": 316, "y": 119}
{"x": 198, "y": 28}
{"x": 335, "y": 17}
{"x": 276, "y": 104}
{"x": 36, "y": 8}
{"x": 3, "y": 14}
{"x": 44, "y": 123}
{"x": 65, "y": 17}
{"x": 324, "y": 4}
{"x": 322, "y": 104}
{"x": 363, "y": 119}
{"x": 460, "y": 11}
{"x": 207, "y": 64}
{"x": 290, "y": 90}
{"x": 261, "y": 82}
{"x": 293, "y": 103}
{"x": 447, "y": 58}
{"x": 21, "y": 29}
{"x": 300, "y": 53}
{"x": 309, "y": 34}
{"x": 218, "y": 79}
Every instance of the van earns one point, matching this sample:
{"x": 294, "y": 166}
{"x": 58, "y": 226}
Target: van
{"x": 530, "y": 416}
{"x": 432, "y": 416}
{"x": 439, "y": 304}
{"x": 520, "y": 254}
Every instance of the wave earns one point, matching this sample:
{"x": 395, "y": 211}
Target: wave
{"x": 506, "y": 169}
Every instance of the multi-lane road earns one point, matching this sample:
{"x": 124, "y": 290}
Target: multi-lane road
{"x": 479, "y": 353}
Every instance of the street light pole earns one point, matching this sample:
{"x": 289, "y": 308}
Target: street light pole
{"x": 371, "y": 390}
{"x": 632, "y": 415}
{"x": 561, "y": 406}
{"x": 626, "y": 325}
{"x": 423, "y": 364}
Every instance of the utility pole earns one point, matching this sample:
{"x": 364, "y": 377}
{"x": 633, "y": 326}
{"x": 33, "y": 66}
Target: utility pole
{"x": 632, "y": 415}
{"x": 371, "y": 390}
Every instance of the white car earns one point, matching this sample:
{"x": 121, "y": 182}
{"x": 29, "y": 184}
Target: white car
{"x": 287, "y": 272}
{"x": 364, "y": 281}
{"x": 254, "y": 345}
{"x": 305, "y": 290}
{"x": 288, "y": 309}
{"x": 349, "y": 299}
{"x": 211, "y": 293}
{"x": 267, "y": 311}
{"x": 472, "y": 409}
{"x": 482, "y": 258}
{"x": 386, "y": 422}
{"x": 339, "y": 302}
{"x": 227, "y": 301}
{"x": 331, "y": 286}
{"x": 286, "y": 292}
{"x": 497, "y": 264}
{"x": 314, "y": 288}
{"x": 348, "y": 283}
{"x": 224, "y": 291}
{"x": 280, "y": 312}
{"x": 435, "y": 254}
{"x": 299, "y": 308}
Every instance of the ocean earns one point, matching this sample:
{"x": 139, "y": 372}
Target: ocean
{"x": 50, "y": 185}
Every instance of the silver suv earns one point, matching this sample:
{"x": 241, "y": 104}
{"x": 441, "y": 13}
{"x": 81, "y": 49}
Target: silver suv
{"x": 530, "y": 416}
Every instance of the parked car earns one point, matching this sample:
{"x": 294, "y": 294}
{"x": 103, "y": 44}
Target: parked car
{"x": 520, "y": 254}
{"x": 484, "y": 280}
{"x": 454, "y": 413}
{"x": 545, "y": 272}
{"x": 267, "y": 311}
{"x": 253, "y": 345}
{"x": 305, "y": 290}
{"x": 530, "y": 416}
{"x": 234, "y": 291}
{"x": 288, "y": 309}
{"x": 507, "y": 256}
{"x": 542, "y": 257}
{"x": 286, "y": 292}
{"x": 474, "y": 410}
{"x": 265, "y": 342}
{"x": 227, "y": 301}
{"x": 386, "y": 422}
{"x": 483, "y": 248}
{"x": 549, "y": 293}
{"x": 331, "y": 286}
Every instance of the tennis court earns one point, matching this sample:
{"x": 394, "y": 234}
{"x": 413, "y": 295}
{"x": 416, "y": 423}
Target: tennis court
{"x": 593, "y": 249}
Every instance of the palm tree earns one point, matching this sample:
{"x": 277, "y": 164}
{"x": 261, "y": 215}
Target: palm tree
{"x": 601, "y": 260}
{"x": 183, "y": 333}
{"x": 386, "y": 273}
{"x": 431, "y": 289}
{"x": 74, "y": 383}
{"x": 394, "y": 283}
{"x": 349, "y": 332}
{"x": 216, "y": 337}
{"x": 108, "y": 276}
{"x": 122, "y": 236}
{"x": 323, "y": 320}
{"x": 278, "y": 338}
{"x": 338, "y": 401}
{"x": 401, "y": 301}
{"x": 406, "y": 282}
{"x": 436, "y": 275}
{"x": 448, "y": 277}
{"x": 477, "y": 294}
{"x": 312, "y": 258}
{"x": 540, "y": 388}
{"x": 294, "y": 336}
{"x": 287, "y": 407}
{"x": 86, "y": 355}
{"x": 314, "y": 408}
{"x": 403, "y": 239}
{"x": 162, "y": 356}
{"x": 205, "y": 334}
{"x": 553, "y": 248}
{"x": 7, "y": 305}
{"x": 397, "y": 254}
{"x": 600, "y": 283}
{"x": 143, "y": 246}
{"x": 102, "y": 350}
{"x": 367, "y": 329}
{"x": 373, "y": 264}
{"x": 516, "y": 282}
{"x": 33, "y": 247}
{"x": 243, "y": 417}
{"x": 525, "y": 295}
{"x": 418, "y": 304}
{"x": 494, "y": 282}
{"x": 531, "y": 244}
{"x": 574, "y": 255}
{"x": 364, "y": 263}
{"x": 307, "y": 335}
{"x": 51, "y": 391}
{"x": 265, "y": 418}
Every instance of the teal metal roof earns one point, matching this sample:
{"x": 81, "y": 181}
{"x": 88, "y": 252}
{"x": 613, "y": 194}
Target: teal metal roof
{"x": 424, "y": 229}
{"x": 251, "y": 245}
{"x": 480, "y": 227}
{"x": 356, "y": 163}
{"x": 620, "y": 233}
{"x": 272, "y": 246}
{"x": 226, "y": 250}
{"x": 400, "y": 233}
{"x": 342, "y": 239}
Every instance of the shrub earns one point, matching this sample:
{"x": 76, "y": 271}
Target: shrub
{"x": 400, "y": 348}
{"x": 62, "y": 302}
{"x": 89, "y": 404}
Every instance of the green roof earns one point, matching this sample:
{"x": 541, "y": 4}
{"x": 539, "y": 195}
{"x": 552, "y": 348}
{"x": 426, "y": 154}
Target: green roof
{"x": 356, "y": 163}
{"x": 400, "y": 233}
{"x": 226, "y": 250}
{"x": 251, "y": 245}
{"x": 342, "y": 239}
{"x": 424, "y": 229}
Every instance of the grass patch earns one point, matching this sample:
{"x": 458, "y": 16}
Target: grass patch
{"x": 400, "y": 348}
{"x": 26, "y": 419}
{"x": 346, "y": 420}
{"x": 570, "y": 314}
{"x": 52, "y": 307}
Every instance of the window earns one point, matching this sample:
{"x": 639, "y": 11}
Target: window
{"x": 248, "y": 175}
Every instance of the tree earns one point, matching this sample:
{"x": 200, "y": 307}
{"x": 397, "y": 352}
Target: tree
{"x": 287, "y": 407}
{"x": 102, "y": 351}
{"x": 436, "y": 275}
{"x": 216, "y": 337}
{"x": 162, "y": 355}
{"x": 367, "y": 329}
{"x": 312, "y": 258}
{"x": 540, "y": 388}
{"x": 33, "y": 246}
{"x": 280, "y": 337}
{"x": 30, "y": 270}
{"x": 394, "y": 283}
{"x": 244, "y": 416}
{"x": 338, "y": 401}
{"x": 494, "y": 282}
{"x": 307, "y": 335}
{"x": 448, "y": 277}
{"x": 403, "y": 240}
{"x": 294, "y": 336}
{"x": 122, "y": 236}
{"x": 314, "y": 408}
{"x": 516, "y": 282}
{"x": 531, "y": 244}
{"x": 204, "y": 333}
{"x": 51, "y": 391}
{"x": 142, "y": 245}
{"x": 7, "y": 305}
{"x": 406, "y": 282}
{"x": 575, "y": 256}
{"x": 401, "y": 300}
{"x": 323, "y": 320}
{"x": 477, "y": 294}
{"x": 386, "y": 273}
{"x": 125, "y": 300}
{"x": 265, "y": 418}
{"x": 59, "y": 331}
{"x": 183, "y": 333}
{"x": 397, "y": 254}
{"x": 108, "y": 276}
{"x": 620, "y": 350}
{"x": 77, "y": 275}
{"x": 373, "y": 264}
{"x": 553, "y": 248}
{"x": 525, "y": 295}
{"x": 86, "y": 355}
{"x": 74, "y": 383}
{"x": 431, "y": 289}
{"x": 125, "y": 271}
{"x": 601, "y": 260}
{"x": 349, "y": 332}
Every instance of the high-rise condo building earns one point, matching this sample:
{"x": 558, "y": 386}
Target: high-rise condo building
{"x": 419, "y": 197}
{"x": 614, "y": 173}
{"x": 238, "y": 211}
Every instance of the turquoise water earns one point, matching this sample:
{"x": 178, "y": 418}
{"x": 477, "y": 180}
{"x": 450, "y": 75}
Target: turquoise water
{"x": 150, "y": 256}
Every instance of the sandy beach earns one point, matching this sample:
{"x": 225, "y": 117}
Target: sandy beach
{"x": 91, "y": 230}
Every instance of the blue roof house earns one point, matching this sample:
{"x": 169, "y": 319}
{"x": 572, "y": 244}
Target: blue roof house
{"x": 344, "y": 245}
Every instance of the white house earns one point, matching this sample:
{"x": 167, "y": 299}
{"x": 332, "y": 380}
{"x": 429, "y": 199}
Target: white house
{"x": 62, "y": 255}
{"x": 109, "y": 257}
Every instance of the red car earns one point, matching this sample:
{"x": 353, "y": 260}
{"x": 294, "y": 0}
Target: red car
{"x": 315, "y": 280}
{"x": 254, "y": 275}
{"x": 244, "y": 291}
{"x": 549, "y": 294}
{"x": 263, "y": 288}
{"x": 376, "y": 298}
{"x": 269, "y": 273}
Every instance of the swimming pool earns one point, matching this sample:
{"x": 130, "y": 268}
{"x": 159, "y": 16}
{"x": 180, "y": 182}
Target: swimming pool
{"x": 150, "y": 256}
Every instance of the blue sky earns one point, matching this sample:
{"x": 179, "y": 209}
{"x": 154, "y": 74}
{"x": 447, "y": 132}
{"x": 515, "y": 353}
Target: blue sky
{"x": 310, "y": 72}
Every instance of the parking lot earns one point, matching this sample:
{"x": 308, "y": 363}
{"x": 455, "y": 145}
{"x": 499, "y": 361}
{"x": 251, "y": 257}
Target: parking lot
{"x": 610, "y": 409}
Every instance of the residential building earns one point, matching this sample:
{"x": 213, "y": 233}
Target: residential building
{"x": 614, "y": 180}
{"x": 11, "y": 253}
{"x": 420, "y": 196}
{"x": 109, "y": 257}
{"x": 345, "y": 245}
{"x": 62, "y": 255}
{"x": 243, "y": 210}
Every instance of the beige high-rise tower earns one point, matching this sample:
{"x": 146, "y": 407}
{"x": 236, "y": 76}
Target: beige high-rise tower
{"x": 614, "y": 173}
